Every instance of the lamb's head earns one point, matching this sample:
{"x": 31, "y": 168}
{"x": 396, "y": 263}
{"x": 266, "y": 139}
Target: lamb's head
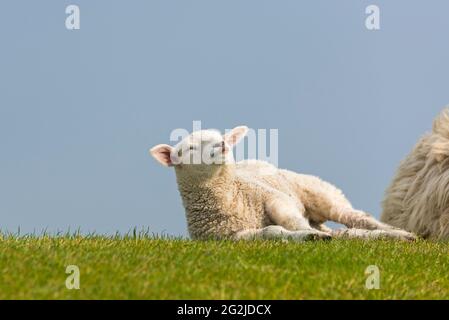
{"x": 202, "y": 151}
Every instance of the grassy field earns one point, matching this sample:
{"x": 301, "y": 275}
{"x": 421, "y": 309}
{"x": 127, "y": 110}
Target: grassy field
{"x": 134, "y": 267}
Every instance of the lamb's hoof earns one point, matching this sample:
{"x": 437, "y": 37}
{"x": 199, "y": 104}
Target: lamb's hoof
{"x": 408, "y": 236}
{"x": 400, "y": 234}
{"x": 317, "y": 235}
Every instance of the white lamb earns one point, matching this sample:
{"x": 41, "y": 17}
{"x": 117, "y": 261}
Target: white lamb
{"x": 254, "y": 199}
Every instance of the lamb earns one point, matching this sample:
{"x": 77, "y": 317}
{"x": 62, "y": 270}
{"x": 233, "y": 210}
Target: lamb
{"x": 224, "y": 199}
{"x": 418, "y": 196}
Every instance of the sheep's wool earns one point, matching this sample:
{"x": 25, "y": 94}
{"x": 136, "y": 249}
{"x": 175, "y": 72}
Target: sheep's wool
{"x": 234, "y": 199}
{"x": 254, "y": 199}
{"x": 418, "y": 198}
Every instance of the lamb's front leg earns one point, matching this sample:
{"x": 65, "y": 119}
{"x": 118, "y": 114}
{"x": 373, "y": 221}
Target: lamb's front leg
{"x": 286, "y": 212}
{"x": 279, "y": 232}
{"x": 289, "y": 214}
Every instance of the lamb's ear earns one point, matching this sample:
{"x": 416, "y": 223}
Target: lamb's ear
{"x": 235, "y": 135}
{"x": 161, "y": 153}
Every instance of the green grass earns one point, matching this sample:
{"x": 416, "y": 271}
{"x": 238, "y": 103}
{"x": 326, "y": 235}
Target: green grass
{"x": 134, "y": 267}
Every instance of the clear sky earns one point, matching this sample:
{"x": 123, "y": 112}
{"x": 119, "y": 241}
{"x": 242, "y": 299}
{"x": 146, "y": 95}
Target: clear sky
{"x": 80, "y": 109}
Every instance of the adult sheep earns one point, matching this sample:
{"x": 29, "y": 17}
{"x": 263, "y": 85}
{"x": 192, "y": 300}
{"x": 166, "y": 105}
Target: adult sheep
{"x": 418, "y": 197}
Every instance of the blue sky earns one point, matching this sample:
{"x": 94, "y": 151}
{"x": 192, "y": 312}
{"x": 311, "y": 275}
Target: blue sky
{"x": 80, "y": 109}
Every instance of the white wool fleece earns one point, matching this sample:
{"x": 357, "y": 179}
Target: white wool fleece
{"x": 418, "y": 197}
{"x": 254, "y": 199}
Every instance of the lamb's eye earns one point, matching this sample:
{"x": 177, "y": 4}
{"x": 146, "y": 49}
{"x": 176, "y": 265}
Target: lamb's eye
{"x": 180, "y": 153}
